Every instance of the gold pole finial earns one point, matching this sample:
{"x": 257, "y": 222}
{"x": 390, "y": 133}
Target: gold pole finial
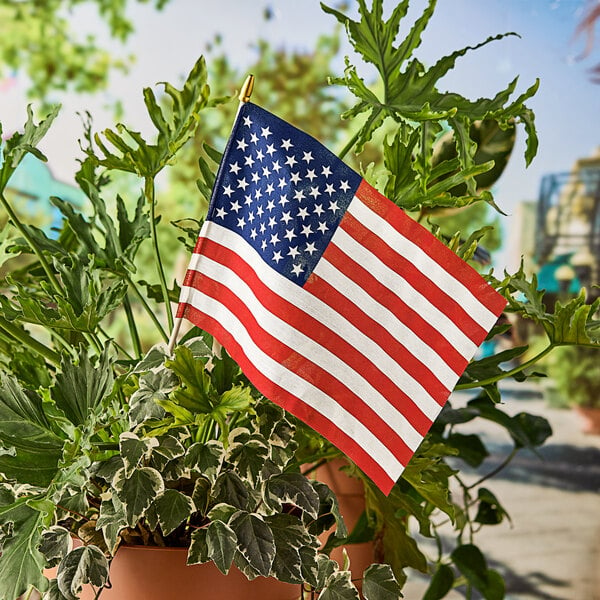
{"x": 247, "y": 88}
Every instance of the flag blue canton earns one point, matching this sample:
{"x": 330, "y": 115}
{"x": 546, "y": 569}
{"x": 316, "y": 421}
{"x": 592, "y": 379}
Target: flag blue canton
{"x": 282, "y": 191}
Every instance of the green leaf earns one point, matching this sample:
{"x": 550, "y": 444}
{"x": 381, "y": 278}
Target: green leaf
{"x": 134, "y": 450}
{"x": 172, "y": 509}
{"x": 137, "y": 491}
{"x": 256, "y": 543}
{"x": 470, "y": 448}
{"x": 379, "y": 583}
{"x": 56, "y": 543}
{"x": 441, "y": 583}
{"x": 153, "y": 388}
{"x": 248, "y": 457}
{"x": 205, "y": 459}
{"x": 489, "y": 509}
{"x": 33, "y": 449}
{"x": 85, "y": 564}
{"x": 53, "y": 593}
{"x": 339, "y": 587}
{"x": 198, "y": 552}
{"x": 21, "y": 562}
{"x": 221, "y": 543}
{"x": 111, "y": 520}
{"x": 229, "y": 488}
{"x": 472, "y": 564}
{"x": 294, "y": 489}
{"x": 329, "y": 512}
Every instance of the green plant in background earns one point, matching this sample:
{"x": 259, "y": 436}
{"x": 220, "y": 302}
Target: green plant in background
{"x": 113, "y": 442}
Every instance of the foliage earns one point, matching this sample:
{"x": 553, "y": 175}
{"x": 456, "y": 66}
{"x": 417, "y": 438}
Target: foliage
{"x": 109, "y": 441}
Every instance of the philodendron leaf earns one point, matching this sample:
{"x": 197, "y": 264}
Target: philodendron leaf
{"x": 86, "y": 564}
{"x": 221, "y": 544}
{"x": 339, "y": 587}
{"x": 137, "y": 491}
{"x": 56, "y": 543}
{"x": 379, "y": 583}
{"x": 256, "y": 544}
{"x": 295, "y": 489}
{"x": 21, "y": 562}
{"x": 441, "y": 583}
{"x": 172, "y": 509}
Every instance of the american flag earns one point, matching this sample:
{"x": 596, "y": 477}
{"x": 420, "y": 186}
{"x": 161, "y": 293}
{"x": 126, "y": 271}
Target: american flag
{"x": 335, "y": 304}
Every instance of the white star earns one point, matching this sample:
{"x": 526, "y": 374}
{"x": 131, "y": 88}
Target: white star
{"x": 326, "y": 171}
{"x": 263, "y": 245}
{"x": 262, "y": 228}
{"x": 282, "y": 182}
{"x": 318, "y": 209}
{"x": 260, "y": 155}
{"x": 254, "y": 138}
{"x": 258, "y": 193}
{"x": 270, "y": 189}
{"x": 286, "y": 217}
{"x": 286, "y": 144}
{"x": 247, "y": 122}
{"x": 283, "y": 200}
{"x": 310, "y": 248}
{"x": 310, "y": 174}
{"x": 270, "y": 205}
{"x": 272, "y": 222}
{"x": 253, "y": 234}
{"x": 297, "y": 269}
{"x": 266, "y": 172}
{"x": 314, "y": 192}
{"x": 221, "y": 212}
{"x": 306, "y": 230}
{"x": 235, "y": 206}
{"x": 277, "y": 256}
{"x": 227, "y": 190}
{"x": 251, "y": 217}
{"x": 302, "y": 212}
{"x": 249, "y": 160}
{"x": 248, "y": 200}
{"x": 255, "y": 177}
{"x": 276, "y": 166}
{"x": 241, "y": 223}
{"x": 241, "y": 144}
{"x": 295, "y": 177}
{"x": 322, "y": 227}
{"x": 299, "y": 195}
{"x": 234, "y": 168}
{"x": 344, "y": 186}
{"x": 265, "y": 132}
{"x": 293, "y": 252}
{"x": 307, "y": 157}
{"x": 274, "y": 239}
{"x": 333, "y": 206}
{"x": 242, "y": 183}
{"x": 329, "y": 189}
{"x": 260, "y": 211}
{"x": 289, "y": 235}
{"x": 290, "y": 160}
{"x": 270, "y": 149}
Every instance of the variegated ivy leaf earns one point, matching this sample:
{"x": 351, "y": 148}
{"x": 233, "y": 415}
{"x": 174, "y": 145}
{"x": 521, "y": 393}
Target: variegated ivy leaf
{"x": 154, "y": 358}
{"x": 201, "y": 495}
{"x": 329, "y": 509}
{"x": 205, "y": 459}
{"x": 290, "y": 537}
{"x": 111, "y": 521}
{"x": 295, "y": 489}
{"x": 134, "y": 450}
{"x": 379, "y": 583}
{"x": 221, "y": 544}
{"x": 256, "y": 544}
{"x": 153, "y": 387}
{"x": 198, "y": 552}
{"x": 309, "y": 565}
{"x": 248, "y": 457}
{"x": 56, "y": 543}
{"x": 339, "y": 587}
{"x": 222, "y": 512}
{"x": 137, "y": 491}
{"x": 172, "y": 509}
{"x": 229, "y": 488}
{"x": 326, "y": 567}
{"x": 86, "y": 564}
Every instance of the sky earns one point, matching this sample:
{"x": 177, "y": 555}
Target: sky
{"x": 166, "y": 45}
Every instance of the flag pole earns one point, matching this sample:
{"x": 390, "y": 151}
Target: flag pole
{"x": 243, "y": 97}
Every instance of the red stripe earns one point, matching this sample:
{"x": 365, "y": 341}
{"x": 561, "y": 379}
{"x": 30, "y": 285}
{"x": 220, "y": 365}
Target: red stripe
{"x": 292, "y": 403}
{"x": 327, "y": 338}
{"x": 416, "y": 279}
{"x": 435, "y": 249}
{"x": 301, "y": 365}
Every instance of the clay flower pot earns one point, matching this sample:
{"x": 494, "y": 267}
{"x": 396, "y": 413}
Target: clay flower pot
{"x": 590, "y": 417}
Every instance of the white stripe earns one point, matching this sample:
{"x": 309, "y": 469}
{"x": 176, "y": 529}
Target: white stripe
{"x": 420, "y": 259}
{"x": 409, "y": 295}
{"x": 310, "y": 350}
{"x": 326, "y": 315}
{"x": 310, "y": 394}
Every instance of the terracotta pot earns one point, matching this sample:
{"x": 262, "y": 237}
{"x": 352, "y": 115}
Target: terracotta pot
{"x": 150, "y": 573}
{"x": 590, "y": 418}
{"x": 350, "y": 493}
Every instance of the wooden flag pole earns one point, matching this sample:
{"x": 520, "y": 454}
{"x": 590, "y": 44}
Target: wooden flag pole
{"x": 244, "y": 96}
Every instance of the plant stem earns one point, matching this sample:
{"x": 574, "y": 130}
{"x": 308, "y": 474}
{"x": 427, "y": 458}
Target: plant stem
{"x": 150, "y": 197}
{"x": 22, "y": 336}
{"x": 495, "y": 471}
{"x": 148, "y": 309}
{"x": 352, "y": 141}
{"x": 30, "y": 241}
{"x": 505, "y": 374}
{"x": 135, "y": 337}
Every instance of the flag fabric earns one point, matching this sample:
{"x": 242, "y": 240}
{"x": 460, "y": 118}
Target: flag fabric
{"x": 336, "y": 305}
